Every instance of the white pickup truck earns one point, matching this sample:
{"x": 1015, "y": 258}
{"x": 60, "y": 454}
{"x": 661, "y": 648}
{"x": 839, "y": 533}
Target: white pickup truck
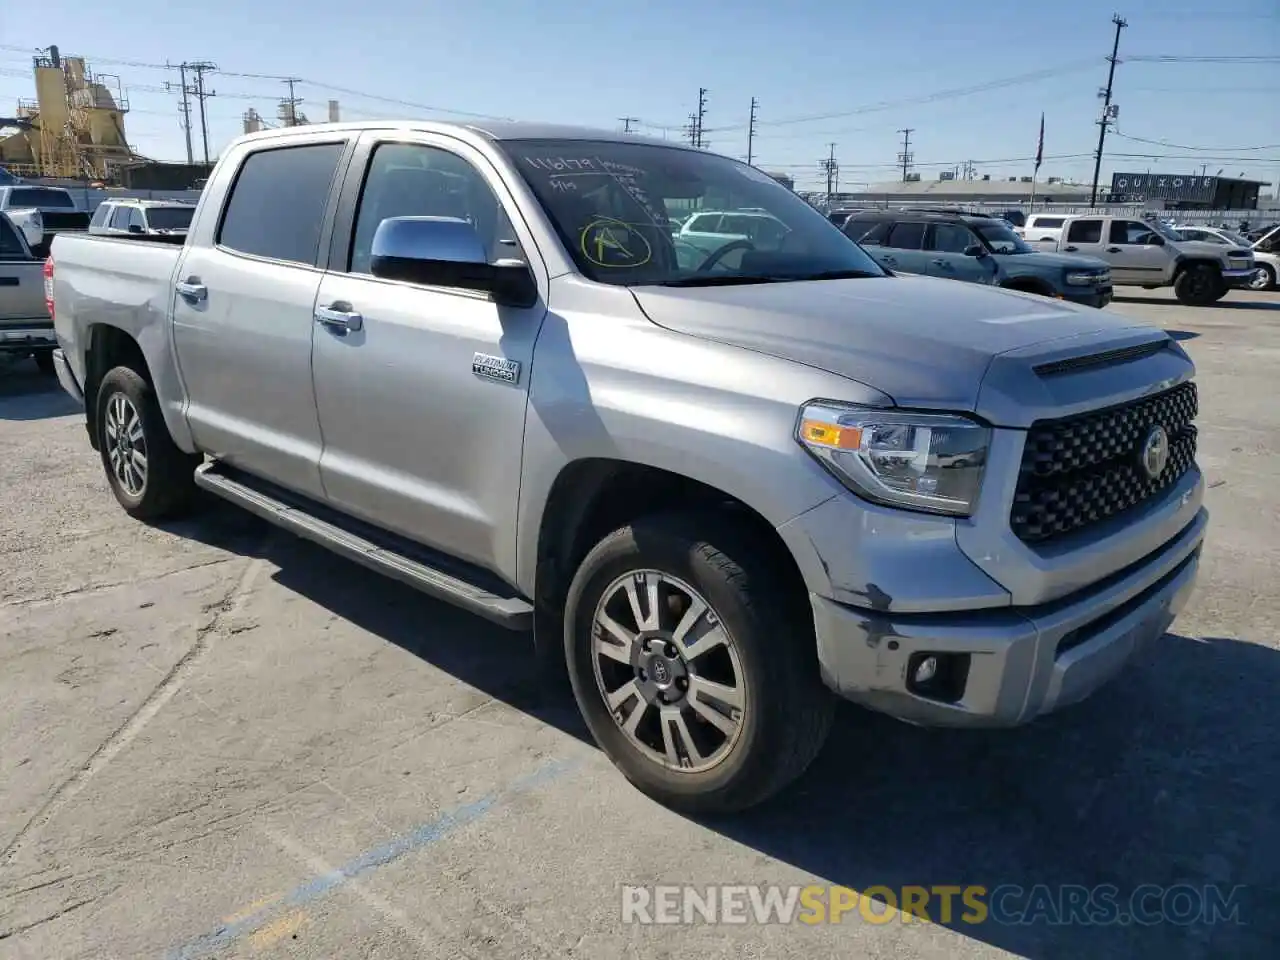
{"x": 1147, "y": 254}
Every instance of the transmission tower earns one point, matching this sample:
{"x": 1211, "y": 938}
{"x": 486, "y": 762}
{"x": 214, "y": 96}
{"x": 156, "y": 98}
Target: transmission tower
{"x": 627, "y": 122}
{"x": 751, "y": 131}
{"x": 700, "y": 141}
{"x": 1108, "y": 114}
{"x": 289, "y": 104}
{"x": 197, "y": 90}
{"x": 829, "y": 166}
{"x": 906, "y": 156}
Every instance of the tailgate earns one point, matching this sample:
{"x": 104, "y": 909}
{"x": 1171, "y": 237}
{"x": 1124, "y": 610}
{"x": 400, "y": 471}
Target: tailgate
{"x": 22, "y": 292}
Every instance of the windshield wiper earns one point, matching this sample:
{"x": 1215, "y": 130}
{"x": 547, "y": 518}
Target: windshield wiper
{"x": 721, "y": 280}
{"x": 733, "y": 279}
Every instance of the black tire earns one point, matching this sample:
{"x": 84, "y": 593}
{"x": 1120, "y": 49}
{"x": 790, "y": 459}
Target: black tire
{"x": 168, "y": 486}
{"x": 1269, "y": 273}
{"x": 1199, "y": 285}
{"x": 768, "y": 620}
{"x": 44, "y": 362}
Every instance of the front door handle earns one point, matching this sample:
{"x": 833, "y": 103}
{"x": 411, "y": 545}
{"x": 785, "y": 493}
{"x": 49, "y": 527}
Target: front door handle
{"x": 192, "y": 289}
{"x": 1114, "y": 250}
{"x": 1070, "y": 249}
{"x": 337, "y": 319}
{"x": 940, "y": 263}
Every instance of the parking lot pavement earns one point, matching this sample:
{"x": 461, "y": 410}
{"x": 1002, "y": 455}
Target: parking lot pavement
{"x": 217, "y": 740}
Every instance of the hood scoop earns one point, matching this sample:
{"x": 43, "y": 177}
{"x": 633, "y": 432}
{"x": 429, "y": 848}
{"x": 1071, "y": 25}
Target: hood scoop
{"x": 1106, "y": 358}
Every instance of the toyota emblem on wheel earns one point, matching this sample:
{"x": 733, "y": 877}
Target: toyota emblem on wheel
{"x": 1154, "y": 455}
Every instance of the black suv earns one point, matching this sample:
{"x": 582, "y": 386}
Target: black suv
{"x": 976, "y": 249}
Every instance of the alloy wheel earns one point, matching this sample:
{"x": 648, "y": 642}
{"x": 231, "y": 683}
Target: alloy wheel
{"x": 668, "y": 671}
{"x": 126, "y": 445}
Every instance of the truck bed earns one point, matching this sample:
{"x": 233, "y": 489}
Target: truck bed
{"x": 101, "y": 277}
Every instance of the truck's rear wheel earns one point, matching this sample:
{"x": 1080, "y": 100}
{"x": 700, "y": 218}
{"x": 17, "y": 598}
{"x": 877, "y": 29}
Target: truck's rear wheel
{"x": 149, "y": 475}
{"x": 693, "y": 662}
{"x": 1199, "y": 286}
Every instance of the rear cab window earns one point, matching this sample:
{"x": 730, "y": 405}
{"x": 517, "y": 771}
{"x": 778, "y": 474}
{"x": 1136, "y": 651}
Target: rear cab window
{"x": 1085, "y": 231}
{"x": 11, "y": 246}
{"x": 277, "y": 204}
{"x": 40, "y": 197}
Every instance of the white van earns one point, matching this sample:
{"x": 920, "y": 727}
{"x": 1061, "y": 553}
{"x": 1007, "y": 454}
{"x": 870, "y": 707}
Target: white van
{"x": 1044, "y": 230}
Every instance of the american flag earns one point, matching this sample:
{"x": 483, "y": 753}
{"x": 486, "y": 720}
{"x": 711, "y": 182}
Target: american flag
{"x": 1040, "y": 145}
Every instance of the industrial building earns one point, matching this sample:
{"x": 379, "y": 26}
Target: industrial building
{"x": 74, "y": 128}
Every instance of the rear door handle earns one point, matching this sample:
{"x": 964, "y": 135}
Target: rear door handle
{"x": 192, "y": 289}
{"x": 1114, "y": 250}
{"x": 940, "y": 263}
{"x": 337, "y": 319}
{"x": 1070, "y": 249}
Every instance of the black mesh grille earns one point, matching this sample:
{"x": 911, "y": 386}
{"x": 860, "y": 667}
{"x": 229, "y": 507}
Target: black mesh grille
{"x": 1078, "y": 471}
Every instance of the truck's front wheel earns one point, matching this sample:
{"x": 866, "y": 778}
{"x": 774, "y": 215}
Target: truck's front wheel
{"x": 693, "y": 661}
{"x": 150, "y": 476}
{"x": 1199, "y": 286}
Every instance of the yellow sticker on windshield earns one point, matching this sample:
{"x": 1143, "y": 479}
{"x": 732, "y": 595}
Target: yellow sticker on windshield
{"x": 611, "y": 243}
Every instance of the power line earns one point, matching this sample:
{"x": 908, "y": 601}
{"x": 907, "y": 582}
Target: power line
{"x": 1105, "y": 119}
{"x": 1183, "y": 146}
{"x": 930, "y": 98}
{"x": 751, "y": 131}
{"x": 1169, "y": 58}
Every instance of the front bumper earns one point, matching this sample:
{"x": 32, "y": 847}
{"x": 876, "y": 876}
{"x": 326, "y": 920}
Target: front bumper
{"x": 1239, "y": 278}
{"x": 1097, "y": 297}
{"x": 1018, "y": 662}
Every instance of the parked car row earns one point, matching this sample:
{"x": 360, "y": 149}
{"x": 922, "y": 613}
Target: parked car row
{"x": 1266, "y": 250}
{"x": 1104, "y": 250}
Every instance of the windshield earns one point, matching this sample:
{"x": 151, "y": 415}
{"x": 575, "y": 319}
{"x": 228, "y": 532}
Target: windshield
{"x": 1162, "y": 228}
{"x": 40, "y": 197}
{"x": 169, "y": 218}
{"x": 613, "y": 203}
{"x": 1001, "y": 238}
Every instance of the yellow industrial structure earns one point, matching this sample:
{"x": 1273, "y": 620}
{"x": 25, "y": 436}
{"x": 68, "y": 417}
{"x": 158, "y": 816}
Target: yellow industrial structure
{"x": 73, "y": 128}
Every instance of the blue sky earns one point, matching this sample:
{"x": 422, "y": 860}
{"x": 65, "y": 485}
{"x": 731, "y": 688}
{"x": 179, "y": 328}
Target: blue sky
{"x": 596, "y": 63}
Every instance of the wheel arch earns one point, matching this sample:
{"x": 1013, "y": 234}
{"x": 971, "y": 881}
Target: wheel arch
{"x": 109, "y": 346}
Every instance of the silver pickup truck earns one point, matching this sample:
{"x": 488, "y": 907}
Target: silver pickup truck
{"x": 471, "y": 359}
{"x": 25, "y": 327}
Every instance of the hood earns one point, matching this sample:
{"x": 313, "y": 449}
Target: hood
{"x": 1061, "y": 261}
{"x": 924, "y": 341}
{"x": 1200, "y": 248}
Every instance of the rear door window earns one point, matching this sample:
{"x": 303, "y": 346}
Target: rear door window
{"x": 1085, "y": 231}
{"x": 120, "y": 218}
{"x": 952, "y": 238}
{"x": 907, "y": 236}
{"x": 874, "y": 233}
{"x": 277, "y": 204}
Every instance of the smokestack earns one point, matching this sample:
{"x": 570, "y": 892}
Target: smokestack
{"x": 333, "y": 111}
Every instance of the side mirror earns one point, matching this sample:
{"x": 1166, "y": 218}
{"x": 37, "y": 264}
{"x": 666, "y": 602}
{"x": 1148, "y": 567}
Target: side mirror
{"x": 135, "y": 228}
{"x": 447, "y": 252}
{"x": 975, "y": 250}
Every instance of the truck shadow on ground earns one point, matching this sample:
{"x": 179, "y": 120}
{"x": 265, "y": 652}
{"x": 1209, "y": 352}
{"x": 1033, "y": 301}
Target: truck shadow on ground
{"x": 1168, "y": 777}
{"x": 1220, "y": 305}
{"x": 28, "y": 394}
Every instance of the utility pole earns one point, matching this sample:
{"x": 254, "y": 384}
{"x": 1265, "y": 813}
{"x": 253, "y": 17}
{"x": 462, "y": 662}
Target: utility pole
{"x": 627, "y": 122}
{"x": 184, "y": 107}
{"x": 832, "y": 169}
{"x": 699, "y": 142}
{"x": 200, "y": 68}
{"x": 751, "y": 131}
{"x": 1105, "y": 120}
{"x": 905, "y": 157}
{"x": 291, "y": 103}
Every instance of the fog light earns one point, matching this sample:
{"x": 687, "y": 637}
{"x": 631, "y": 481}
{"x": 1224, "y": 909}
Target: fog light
{"x": 926, "y": 670}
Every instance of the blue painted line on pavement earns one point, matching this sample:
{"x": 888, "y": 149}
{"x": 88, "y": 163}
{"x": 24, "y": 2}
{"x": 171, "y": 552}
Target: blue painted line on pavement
{"x": 422, "y": 836}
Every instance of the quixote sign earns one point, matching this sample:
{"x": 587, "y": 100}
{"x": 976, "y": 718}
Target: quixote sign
{"x": 1164, "y": 186}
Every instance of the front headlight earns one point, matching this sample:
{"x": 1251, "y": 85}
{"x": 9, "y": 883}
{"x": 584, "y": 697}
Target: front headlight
{"x": 921, "y": 461}
{"x": 1081, "y": 279}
